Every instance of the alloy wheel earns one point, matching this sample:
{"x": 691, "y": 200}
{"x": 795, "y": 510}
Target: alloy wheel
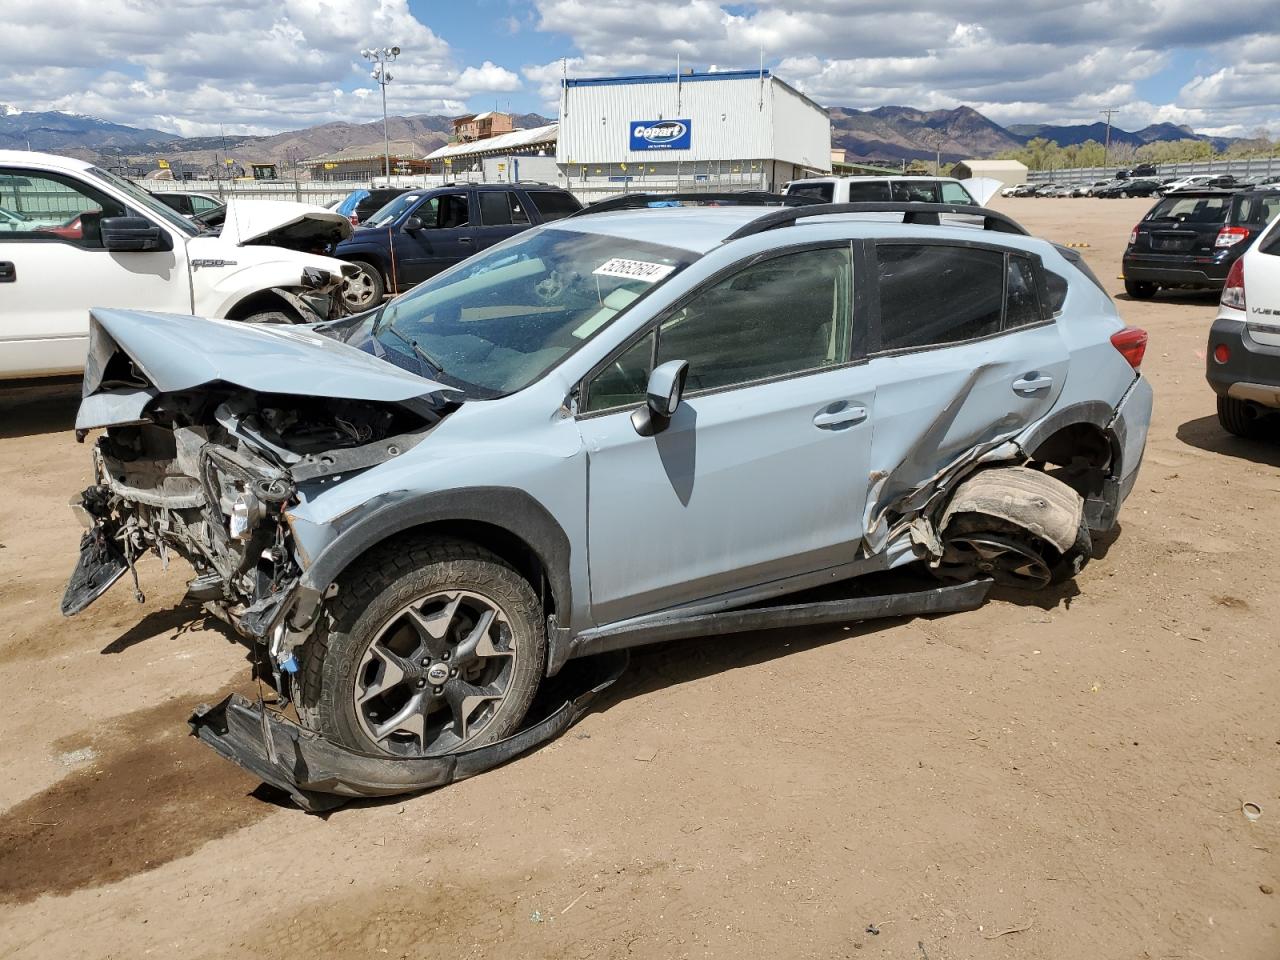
{"x": 1003, "y": 559}
{"x": 359, "y": 291}
{"x": 435, "y": 674}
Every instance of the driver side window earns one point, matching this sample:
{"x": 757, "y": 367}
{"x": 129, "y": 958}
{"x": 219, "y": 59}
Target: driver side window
{"x": 781, "y": 316}
{"x": 451, "y": 211}
{"x": 43, "y": 206}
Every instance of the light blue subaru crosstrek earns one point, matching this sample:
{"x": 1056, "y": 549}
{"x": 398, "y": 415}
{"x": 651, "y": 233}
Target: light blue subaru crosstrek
{"x": 633, "y": 424}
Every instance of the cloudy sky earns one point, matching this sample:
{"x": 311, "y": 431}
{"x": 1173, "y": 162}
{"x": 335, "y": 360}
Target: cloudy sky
{"x": 259, "y": 66}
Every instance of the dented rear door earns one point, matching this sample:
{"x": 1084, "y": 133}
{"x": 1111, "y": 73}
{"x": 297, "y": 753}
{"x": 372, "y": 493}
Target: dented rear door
{"x": 965, "y": 353}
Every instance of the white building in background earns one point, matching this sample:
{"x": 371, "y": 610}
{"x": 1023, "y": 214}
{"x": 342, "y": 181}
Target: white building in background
{"x": 732, "y": 129}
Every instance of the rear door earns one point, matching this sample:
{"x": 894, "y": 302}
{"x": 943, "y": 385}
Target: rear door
{"x": 503, "y": 213}
{"x": 965, "y": 351}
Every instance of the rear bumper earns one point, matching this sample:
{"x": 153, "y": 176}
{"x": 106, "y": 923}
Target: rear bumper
{"x": 1132, "y": 422}
{"x": 1252, "y": 371}
{"x": 1177, "y": 271}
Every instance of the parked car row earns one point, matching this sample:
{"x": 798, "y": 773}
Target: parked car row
{"x": 1137, "y": 186}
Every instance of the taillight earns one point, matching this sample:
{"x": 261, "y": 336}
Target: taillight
{"x": 355, "y": 221}
{"x": 1222, "y": 353}
{"x": 1132, "y": 344}
{"x": 1233, "y": 292}
{"x": 1230, "y": 236}
{"x": 1133, "y": 236}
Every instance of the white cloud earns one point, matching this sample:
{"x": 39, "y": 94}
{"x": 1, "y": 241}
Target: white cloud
{"x": 1040, "y": 61}
{"x": 249, "y": 66}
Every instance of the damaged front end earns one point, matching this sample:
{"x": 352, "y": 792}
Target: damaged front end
{"x": 195, "y": 463}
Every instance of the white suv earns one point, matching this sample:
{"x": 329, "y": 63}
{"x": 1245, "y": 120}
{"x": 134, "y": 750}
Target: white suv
{"x": 73, "y": 237}
{"x": 972, "y": 192}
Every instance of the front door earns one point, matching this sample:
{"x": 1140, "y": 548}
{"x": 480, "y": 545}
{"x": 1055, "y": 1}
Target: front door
{"x": 762, "y": 472}
{"x": 446, "y": 236}
{"x": 53, "y": 269}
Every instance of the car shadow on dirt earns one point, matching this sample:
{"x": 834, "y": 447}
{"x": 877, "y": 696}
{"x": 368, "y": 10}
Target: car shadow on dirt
{"x": 184, "y": 618}
{"x": 1205, "y": 433}
{"x": 45, "y": 408}
{"x": 1186, "y": 298}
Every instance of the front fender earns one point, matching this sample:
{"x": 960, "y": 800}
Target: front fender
{"x": 219, "y": 286}
{"x": 506, "y": 508}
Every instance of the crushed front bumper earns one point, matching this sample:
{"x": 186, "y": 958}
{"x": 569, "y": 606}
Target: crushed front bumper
{"x": 320, "y": 775}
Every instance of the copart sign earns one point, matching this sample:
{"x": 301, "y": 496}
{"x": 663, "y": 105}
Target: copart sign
{"x": 660, "y": 135}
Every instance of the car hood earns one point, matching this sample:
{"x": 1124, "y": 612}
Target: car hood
{"x": 982, "y": 189}
{"x": 173, "y": 352}
{"x": 249, "y": 220}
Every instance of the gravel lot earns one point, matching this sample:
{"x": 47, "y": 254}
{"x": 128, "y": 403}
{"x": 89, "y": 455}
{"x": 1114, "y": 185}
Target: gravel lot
{"x": 1053, "y": 780}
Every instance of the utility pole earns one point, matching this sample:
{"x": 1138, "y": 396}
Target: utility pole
{"x": 1106, "y": 146}
{"x": 380, "y": 58}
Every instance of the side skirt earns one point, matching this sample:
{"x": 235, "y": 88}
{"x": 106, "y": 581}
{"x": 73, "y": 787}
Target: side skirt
{"x": 943, "y": 599}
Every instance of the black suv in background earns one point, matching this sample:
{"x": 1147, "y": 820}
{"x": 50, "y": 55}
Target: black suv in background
{"x": 422, "y": 232}
{"x": 1192, "y": 237}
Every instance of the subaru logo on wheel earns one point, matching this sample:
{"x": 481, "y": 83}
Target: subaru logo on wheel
{"x": 660, "y": 135}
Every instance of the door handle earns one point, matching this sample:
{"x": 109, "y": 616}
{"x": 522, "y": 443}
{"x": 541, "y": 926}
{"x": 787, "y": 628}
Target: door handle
{"x": 846, "y": 416}
{"x": 1032, "y": 383}
{"x": 465, "y": 240}
{"x": 8, "y": 272}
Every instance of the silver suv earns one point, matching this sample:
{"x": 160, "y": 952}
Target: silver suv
{"x": 626, "y": 426}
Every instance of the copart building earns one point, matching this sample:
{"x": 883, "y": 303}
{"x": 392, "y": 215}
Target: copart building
{"x": 724, "y": 129}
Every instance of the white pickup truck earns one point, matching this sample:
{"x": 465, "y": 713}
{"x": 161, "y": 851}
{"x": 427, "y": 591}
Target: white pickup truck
{"x": 73, "y": 236}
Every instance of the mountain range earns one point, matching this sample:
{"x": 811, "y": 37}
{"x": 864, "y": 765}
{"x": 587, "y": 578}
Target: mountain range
{"x": 888, "y": 134}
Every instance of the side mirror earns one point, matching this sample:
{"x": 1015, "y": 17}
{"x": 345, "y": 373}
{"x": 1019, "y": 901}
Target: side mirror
{"x": 662, "y": 398}
{"x": 413, "y": 225}
{"x": 133, "y": 234}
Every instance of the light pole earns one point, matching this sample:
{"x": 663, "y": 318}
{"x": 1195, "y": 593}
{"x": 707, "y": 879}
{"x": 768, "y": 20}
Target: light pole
{"x": 380, "y": 57}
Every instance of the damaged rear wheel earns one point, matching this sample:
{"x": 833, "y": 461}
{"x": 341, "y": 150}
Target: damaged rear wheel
{"x": 431, "y": 649}
{"x": 1018, "y": 526}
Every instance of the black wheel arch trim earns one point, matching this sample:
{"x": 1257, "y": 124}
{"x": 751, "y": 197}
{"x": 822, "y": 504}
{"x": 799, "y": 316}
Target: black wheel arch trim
{"x": 1103, "y": 507}
{"x": 510, "y": 510}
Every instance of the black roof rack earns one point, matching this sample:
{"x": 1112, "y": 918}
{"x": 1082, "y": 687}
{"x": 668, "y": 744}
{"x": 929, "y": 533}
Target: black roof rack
{"x": 637, "y": 201}
{"x": 916, "y": 213}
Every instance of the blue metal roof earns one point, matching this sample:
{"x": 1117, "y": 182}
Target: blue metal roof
{"x": 665, "y": 78}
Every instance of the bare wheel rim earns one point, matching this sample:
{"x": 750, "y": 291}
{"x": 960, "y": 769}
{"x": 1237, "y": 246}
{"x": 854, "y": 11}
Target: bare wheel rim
{"x": 436, "y": 673}
{"x": 358, "y": 291}
{"x": 1005, "y": 560}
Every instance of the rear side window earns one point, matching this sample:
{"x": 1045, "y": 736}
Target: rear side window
{"x": 1021, "y": 298}
{"x": 1254, "y": 209}
{"x": 932, "y": 295}
{"x": 819, "y": 191}
{"x": 868, "y": 192}
{"x": 915, "y": 191}
{"x": 501, "y": 208}
{"x": 552, "y": 204}
{"x": 954, "y": 193}
{"x": 1191, "y": 209}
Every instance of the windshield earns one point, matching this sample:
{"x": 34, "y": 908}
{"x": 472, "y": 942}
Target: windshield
{"x": 500, "y": 320}
{"x": 145, "y": 200}
{"x": 390, "y": 212}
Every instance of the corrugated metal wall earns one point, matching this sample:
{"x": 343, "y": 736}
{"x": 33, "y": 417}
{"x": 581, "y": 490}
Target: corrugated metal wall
{"x": 730, "y": 119}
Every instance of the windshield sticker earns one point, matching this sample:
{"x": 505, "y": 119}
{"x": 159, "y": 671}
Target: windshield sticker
{"x": 634, "y": 270}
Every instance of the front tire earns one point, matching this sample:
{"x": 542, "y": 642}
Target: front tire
{"x": 366, "y": 289}
{"x": 428, "y": 648}
{"x": 1140, "y": 289}
{"x": 1238, "y": 418}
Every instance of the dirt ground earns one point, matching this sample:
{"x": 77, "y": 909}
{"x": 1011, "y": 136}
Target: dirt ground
{"x": 1024, "y": 781}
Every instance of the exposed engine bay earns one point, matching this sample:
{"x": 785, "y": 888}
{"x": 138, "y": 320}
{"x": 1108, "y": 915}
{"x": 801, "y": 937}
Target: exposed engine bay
{"x": 210, "y": 475}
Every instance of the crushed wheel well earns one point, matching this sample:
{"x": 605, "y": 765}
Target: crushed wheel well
{"x": 261, "y": 302}
{"x": 1076, "y": 445}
